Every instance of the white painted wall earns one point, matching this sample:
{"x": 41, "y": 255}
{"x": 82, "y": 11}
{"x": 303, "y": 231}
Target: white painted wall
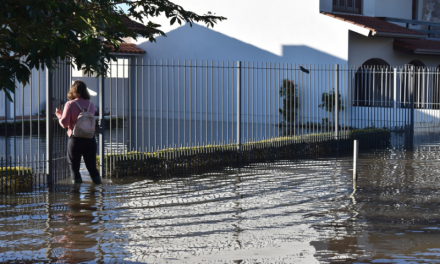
{"x": 282, "y": 31}
{"x": 392, "y": 8}
{"x": 363, "y": 49}
{"x": 117, "y": 69}
{"x": 22, "y": 97}
{"x": 2, "y": 104}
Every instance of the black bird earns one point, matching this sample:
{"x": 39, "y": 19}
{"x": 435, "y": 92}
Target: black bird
{"x": 304, "y": 70}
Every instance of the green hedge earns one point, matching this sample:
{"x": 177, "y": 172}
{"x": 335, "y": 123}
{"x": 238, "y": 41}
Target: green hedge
{"x": 16, "y": 179}
{"x": 198, "y": 158}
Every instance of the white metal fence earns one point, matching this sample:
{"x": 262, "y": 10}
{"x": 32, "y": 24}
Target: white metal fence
{"x": 154, "y": 105}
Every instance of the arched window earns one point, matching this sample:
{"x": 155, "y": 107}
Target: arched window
{"x": 374, "y": 84}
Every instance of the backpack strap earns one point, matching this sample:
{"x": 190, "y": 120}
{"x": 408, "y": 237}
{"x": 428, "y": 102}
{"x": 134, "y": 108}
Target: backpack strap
{"x": 80, "y": 107}
{"x": 88, "y": 107}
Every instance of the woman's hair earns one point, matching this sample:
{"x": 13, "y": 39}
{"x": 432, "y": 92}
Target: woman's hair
{"x": 78, "y": 90}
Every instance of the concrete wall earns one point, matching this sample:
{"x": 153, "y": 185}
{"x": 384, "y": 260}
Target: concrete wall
{"x": 363, "y": 49}
{"x": 391, "y": 8}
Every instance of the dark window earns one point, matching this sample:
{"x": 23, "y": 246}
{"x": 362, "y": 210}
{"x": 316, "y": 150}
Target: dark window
{"x": 350, "y": 6}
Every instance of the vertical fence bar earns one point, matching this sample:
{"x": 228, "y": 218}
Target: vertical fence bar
{"x": 212, "y": 100}
{"x": 7, "y": 105}
{"x": 101, "y": 103}
{"x": 239, "y": 113}
{"x": 134, "y": 69}
{"x": 227, "y": 101}
{"x": 174, "y": 102}
{"x": 111, "y": 105}
{"x": 49, "y": 125}
{"x": 161, "y": 103}
{"x": 30, "y": 115}
{"x": 168, "y": 103}
{"x": 337, "y": 105}
{"x": 116, "y": 105}
{"x": 178, "y": 102}
{"x": 190, "y": 105}
{"x": 123, "y": 103}
{"x": 412, "y": 87}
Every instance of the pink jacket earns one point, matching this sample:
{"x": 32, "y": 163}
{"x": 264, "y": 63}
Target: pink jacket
{"x": 71, "y": 112}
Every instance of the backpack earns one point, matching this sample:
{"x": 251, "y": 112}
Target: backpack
{"x": 85, "y": 125}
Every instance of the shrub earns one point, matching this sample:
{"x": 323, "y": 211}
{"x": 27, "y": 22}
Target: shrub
{"x": 14, "y": 179}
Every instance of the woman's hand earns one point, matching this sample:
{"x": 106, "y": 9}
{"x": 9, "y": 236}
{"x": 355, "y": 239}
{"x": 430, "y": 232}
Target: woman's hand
{"x": 58, "y": 113}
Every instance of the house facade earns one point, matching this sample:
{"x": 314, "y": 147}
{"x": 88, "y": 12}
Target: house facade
{"x": 30, "y": 100}
{"x": 347, "y": 32}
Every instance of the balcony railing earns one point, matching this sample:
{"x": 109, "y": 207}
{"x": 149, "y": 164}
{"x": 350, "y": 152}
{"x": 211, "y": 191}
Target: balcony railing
{"x": 408, "y": 22}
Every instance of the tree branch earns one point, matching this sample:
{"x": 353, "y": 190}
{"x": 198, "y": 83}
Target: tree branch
{"x": 12, "y": 57}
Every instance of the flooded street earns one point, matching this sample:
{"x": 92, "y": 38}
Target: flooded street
{"x": 283, "y": 212}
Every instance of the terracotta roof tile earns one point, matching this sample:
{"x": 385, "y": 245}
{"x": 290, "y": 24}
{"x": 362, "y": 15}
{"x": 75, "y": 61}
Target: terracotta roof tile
{"x": 411, "y": 45}
{"x": 133, "y": 25}
{"x": 128, "y": 48}
{"x": 374, "y": 24}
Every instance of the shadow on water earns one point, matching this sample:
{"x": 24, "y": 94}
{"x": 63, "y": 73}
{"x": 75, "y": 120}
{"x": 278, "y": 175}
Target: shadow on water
{"x": 281, "y": 211}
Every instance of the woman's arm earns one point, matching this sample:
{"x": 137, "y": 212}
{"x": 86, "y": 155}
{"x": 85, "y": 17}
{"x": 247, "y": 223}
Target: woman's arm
{"x": 65, "y": 119}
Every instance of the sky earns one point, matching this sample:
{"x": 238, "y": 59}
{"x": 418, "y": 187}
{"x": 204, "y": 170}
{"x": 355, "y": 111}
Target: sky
{"x": 124, "y": 7}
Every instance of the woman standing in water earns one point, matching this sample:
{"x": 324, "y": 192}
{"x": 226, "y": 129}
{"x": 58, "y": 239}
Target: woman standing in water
{"x": 77, "y": 146}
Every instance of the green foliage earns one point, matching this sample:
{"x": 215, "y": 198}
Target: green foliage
{"x": 328, "y": 101}
{"x": 14, "y": 179}
{"x": 39, "y": 33}
{"x": 288, "y": 92}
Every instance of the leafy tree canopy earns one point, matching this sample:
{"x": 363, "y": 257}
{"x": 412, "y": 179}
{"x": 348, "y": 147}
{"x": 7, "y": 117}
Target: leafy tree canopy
{"x": 38, "y": 33}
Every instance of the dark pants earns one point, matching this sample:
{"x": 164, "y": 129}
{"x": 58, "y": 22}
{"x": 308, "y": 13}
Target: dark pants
{"x": 77, "y": 147}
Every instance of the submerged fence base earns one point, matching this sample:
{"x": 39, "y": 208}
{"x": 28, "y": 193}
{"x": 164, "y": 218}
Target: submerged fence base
{"x": 197, "y": 159}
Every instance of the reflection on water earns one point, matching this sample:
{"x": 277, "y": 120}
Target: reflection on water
{"x": 283, "y": 212}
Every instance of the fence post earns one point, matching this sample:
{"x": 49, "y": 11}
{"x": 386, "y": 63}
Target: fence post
{"x": 411, "y": 128}
{"x": 337, "y": 106}
{"x": 355, "y": 161}
{"x": 6, "y": 125}
{"x": 239, "y": 154}
{"x": 49, "y": 125}
{"x": 132, "y": 104}
{"x": 101, "y": 103}
{"x": 395, "y": 88}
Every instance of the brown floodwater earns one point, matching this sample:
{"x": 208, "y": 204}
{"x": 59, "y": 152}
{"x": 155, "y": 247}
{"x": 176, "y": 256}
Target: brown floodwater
{"x": 276, "y": 212}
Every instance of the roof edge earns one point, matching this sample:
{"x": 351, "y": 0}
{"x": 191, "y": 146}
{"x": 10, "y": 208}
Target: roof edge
{"x": 374, "y": 32}
{"x": 426, "y": 52}
{"x": 397, "y": 35}
{"x": 127, "y": 54}
{"x": 346, "y": 20}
